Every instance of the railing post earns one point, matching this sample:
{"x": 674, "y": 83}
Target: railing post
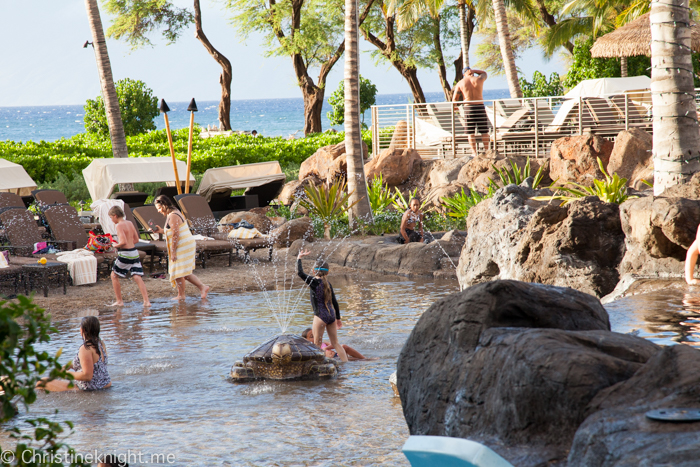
{"x": 408, "y": 122}
{"x": 454, "y": 142}
{"x": 627, "y": 113}
{"x": 375, "y": 132}
{"x": 413, "y": 126}
{"x": 580, "y": 115}
{"x": 495, "y": 126}
{"x": 537, "y": 131}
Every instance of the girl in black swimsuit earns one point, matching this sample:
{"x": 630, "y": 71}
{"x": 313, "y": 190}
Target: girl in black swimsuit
{"x": 324, "y": 304}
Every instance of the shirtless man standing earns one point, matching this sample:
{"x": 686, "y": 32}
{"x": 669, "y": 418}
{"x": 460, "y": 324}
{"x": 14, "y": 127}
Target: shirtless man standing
{"x": 472, "y": 87}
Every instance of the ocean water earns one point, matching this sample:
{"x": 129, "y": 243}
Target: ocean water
{"x": 270, "y": 117}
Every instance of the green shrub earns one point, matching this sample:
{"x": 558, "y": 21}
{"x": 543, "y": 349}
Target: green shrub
{"x": 380, "y": 196}
{"x": 457, "y": 207}
{"x": 45, "y": 160}
{"x": 515, "y": 176}
{"x": 137, "y": 104}
{"x": 368, "y": 97}
{"x": 540, "y": 87}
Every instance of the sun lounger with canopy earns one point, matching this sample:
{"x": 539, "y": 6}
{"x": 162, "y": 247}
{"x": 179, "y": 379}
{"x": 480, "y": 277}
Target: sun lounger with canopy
{"x": 102, "y": 175}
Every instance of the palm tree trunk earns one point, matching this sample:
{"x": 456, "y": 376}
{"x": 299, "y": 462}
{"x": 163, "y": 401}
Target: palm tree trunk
{"x": 226, "y": 74}
{"x": 676, "y": 139}
{"x": 463, "y": 32}
{"x": 499, "y": 11}
{"x": 353, "y": 136}
{"x": 623, "y": 67}
{"x": 109, "y": 93}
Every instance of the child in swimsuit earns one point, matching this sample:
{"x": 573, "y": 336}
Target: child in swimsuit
{"x": 353, "y": 354}
{"x": 324, "y": 304}
{"x": 127, "y": 257}
{"x": 90, "y": 364}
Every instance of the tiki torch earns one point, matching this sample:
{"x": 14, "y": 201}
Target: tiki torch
{"x": 192, "y": 108}
{"x": 164, "y": 109}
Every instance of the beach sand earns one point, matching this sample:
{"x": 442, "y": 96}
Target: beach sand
{"x": 223, "y": 279}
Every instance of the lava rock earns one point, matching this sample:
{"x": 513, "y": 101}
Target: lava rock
{"x": 295, "y": 229}
{"x": 617, "y": 433}
{"x": 631, "y": 157}
{"x": 574, "y": 158}
{"x": 394, "y": 165}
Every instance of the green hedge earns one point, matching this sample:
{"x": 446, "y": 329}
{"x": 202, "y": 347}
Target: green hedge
{"x": 44, "y": 161}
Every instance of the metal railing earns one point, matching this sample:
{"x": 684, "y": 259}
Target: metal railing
{"x": 524, "y": 127}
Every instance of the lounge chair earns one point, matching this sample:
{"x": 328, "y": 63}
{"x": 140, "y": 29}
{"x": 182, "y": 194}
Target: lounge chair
{"x": 11, "y": 200}
{"x": 21, "y": 232}
{"x": 65, "y": 227}
{"x": 12, "y": 274}
{"x": 149, "y": 217}
{"x": 429, "y": 451}
{"x": 201, "y": 219}
{"x": 48, "y": 197}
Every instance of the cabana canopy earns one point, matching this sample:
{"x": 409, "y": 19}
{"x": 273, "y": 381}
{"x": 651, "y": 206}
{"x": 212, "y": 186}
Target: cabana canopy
{"x": 14, "y": 179}
{"x": 237, "y": 177}
{"x": 606, "y": 86}
{"x": 103, "y": 174}
{"x": 633, "y": 39}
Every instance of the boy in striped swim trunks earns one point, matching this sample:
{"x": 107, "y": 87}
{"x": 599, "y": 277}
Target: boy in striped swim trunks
{"x": 127, "y": 257}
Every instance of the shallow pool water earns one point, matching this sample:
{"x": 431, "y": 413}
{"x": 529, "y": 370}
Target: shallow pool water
{"x": 171, "y": 395}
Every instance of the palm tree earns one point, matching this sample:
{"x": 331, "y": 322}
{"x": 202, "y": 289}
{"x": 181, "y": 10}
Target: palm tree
{"x": 109, "y": 93}
{"x": 353, "y": 135}
{"x": 676, "y": 138}
{"x": 499, "y": 11}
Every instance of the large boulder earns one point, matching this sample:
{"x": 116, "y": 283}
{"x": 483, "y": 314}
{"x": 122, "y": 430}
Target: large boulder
{"x": 394, "y": 165}
{"x": 512, "y": 236}
{"x": 294, "y": 190}
{"x": 399, "y": 138}
{"x": 617, "y": 432}
{"x": 259, "y": 221}
{"x": 512, "y": 364}
{"x": 658, "y": 232}
{"x": 631, "y": 157}
{"x": 574, "y": 158}
{"x": 433, "y": 197}
{"x": 479, "y": 171}
{"x": 327, "y": 163}
{"x": 295, "y": 229}
{"x": 446, "y": 171}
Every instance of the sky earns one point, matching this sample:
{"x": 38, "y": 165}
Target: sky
{"x": 43, "y": 62}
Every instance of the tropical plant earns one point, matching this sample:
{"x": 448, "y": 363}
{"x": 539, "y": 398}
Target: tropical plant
{"x": 541, "y": 87}
{"x": 611, "y": 190}
{"x": 368, "y": 97}
{"x": 328, "y": 203}
{"x": 135, "y": 19}
{"x": 515, "y": 176}
{"x": 24, "y": 326}
{"x": 109, "y": 93}
{"x": 380, "y": 196}
{"x": 458, "y": 206}
{"x": 401, "y": 203}
{"x": 137, "y": 105}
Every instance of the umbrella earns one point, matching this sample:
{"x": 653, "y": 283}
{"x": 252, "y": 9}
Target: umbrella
{"x": 633, "y": 39}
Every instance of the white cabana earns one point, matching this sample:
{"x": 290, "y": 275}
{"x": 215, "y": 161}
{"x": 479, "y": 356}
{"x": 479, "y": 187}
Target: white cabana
{"x": 237, "y": 177}
{"x": 102, "y": 175}
{"x": 603, "y": 87}
{"x": 14, "y": 179}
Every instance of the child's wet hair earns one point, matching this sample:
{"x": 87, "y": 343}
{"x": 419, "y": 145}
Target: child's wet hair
{"x": 306, "y": 332}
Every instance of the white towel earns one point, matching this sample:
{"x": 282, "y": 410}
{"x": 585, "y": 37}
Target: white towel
{"x": 3, "y": 261}
{"x": 82, "y": 265}
{"x": 201, "y": 237}
{"x": 100, "y": 209}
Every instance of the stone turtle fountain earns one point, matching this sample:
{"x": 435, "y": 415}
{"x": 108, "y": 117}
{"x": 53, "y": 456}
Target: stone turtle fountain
{"x": 284, "y": 357}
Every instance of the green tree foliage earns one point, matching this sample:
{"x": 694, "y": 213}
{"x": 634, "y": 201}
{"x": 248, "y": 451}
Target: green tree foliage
{"x": 23, "y": 326}
{"x": 368, "y": 97}
{"x": 586, "y": 67}
{"x": 488, "y": 51}
{"x": 136, "y": 19}
{"x": 541, "y": 87}
{"x": 137, "y": 104}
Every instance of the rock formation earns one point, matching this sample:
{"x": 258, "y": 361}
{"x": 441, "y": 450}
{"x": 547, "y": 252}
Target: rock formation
{"x": 327, "y": 163}
{"x": 514, "y": 237}
{"x": 259, "y": 221}
{"x": 574, "y": 158}
{"x": 534, "y": 372}
{"x": 631, "y": 158}
{"x": 290, "y": 231}
{"x": 395, "y": 165}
